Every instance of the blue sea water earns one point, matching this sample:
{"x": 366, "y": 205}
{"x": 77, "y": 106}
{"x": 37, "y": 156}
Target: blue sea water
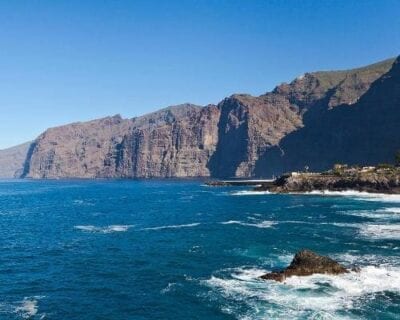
{"x": 181, "y": 250}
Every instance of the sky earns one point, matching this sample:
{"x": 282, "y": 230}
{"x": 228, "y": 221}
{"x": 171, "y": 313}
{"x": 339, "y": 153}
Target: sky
{"x": 68, "y": 61}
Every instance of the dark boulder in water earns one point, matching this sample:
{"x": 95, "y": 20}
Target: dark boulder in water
{"x": 306, "y": 263}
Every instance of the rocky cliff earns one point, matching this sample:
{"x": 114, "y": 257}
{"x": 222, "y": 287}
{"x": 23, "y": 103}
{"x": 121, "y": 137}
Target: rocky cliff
{"x": 316, "y": 120}
{"x": 12, "y": 161}
{"x": 361, "y": 130}
{"x": 173, "y": 142}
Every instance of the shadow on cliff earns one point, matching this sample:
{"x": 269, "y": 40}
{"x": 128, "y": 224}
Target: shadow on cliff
{"x": 232, "y": 143}
{"x": 27, "y": 162}
{"x": 366, "y": 132}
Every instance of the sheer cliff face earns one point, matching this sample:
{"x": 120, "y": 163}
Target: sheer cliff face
{"x": 247, "y": 127}
{"x": 12, "y": 161}
{"x": 82, "y": 150}
{"x": 310, "y": 121}
{"x": 174, "y": 142}
{"x": 360, "y": 130}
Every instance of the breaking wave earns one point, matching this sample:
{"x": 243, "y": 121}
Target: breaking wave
{"x": 249, "y": 193}
{"x": 383, "y": 214}
{"x": 262, "y": 224}
{"x": 177, "y": 226}
{"x": 28, "y": 308}
{"x": 357, "y": 195}
{"x": 333, "y": 297}
{"x": 381, "y": 231}
{"x": 107, "y": 229}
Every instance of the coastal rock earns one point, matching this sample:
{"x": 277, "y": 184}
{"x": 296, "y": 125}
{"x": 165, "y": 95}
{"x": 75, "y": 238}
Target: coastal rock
{"x": 369, "y": 179}
{"x": 306, "y": 263}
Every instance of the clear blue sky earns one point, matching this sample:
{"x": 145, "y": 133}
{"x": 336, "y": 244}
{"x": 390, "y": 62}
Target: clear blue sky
{"x": 66, "y": 61}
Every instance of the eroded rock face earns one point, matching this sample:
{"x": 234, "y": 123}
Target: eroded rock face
{"x": 306, "y": 263}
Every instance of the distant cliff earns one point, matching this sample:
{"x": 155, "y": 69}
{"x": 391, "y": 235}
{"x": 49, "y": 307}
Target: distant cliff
{"x": 319, "y": 119}
{"x": 12, "y": 161}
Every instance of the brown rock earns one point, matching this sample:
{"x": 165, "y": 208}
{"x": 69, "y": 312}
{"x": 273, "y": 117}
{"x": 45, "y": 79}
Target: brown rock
{"x": 306, "y": 263}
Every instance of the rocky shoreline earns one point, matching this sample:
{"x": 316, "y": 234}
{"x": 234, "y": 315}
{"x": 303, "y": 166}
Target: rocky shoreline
{"x": 381, "y": 179}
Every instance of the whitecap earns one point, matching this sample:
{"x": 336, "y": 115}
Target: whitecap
{"x": 393, "y": 210}
{"x": 300, "y": 297}
{"x": 106, "y": 229}
{"x": 357, "y": 195}
{"x": 249, "y": 193}
{"x": 295, "y": 206}
{"x": 262, "y": 224}
{"x": 177, "y": 226}
{"x": 170, "y": 287}
{"x": 28, "y": 308}
{"x": 385, "y": 214}
{"x": 380, "y": 231}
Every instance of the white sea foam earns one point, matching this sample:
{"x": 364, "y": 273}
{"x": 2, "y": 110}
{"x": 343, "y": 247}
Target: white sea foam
{"x": 262, "y": 224}
{"x": 177, "y": 226}
{"x": 303, "y": 296}
{"x": 28, "y": 308}
{"x": 358, "y": 195}
{"x": 295, "y": 206}
{"x": 392, "y": 209}
{"x": 381, "y": 231}
{"x": 106, "y": 229}
{"x": 385, "y": 214}
{"x": 249, "y": 193}
{"x": 170, "y": 287}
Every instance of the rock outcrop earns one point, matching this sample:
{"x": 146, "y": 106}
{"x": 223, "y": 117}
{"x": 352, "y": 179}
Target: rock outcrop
{"x": 306, "y": 263}
{"x": 317, "y": 120}
{"x": 369, "y": 179}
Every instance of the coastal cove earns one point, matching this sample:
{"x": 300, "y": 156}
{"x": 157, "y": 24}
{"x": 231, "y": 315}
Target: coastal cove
{"x": 172, "y": 249}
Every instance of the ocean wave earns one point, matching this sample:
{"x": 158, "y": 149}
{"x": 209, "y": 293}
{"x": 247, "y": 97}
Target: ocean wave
{"x": 380, "y": 231}
{"x": 357, "y": 195}
{"x": 351, "y": 258}
{"x": 295, "y": 206}
{"x": 384, "y": 214}
{"x": 249, "y": 193}
{"x": 392, "y": 210}
{"x": 28, "y": 308}
{"x": 177, "y": 226}
{"x": 262, "y": 224}
{"x": 106, "y": 229}
{"x": 332, "y": 296}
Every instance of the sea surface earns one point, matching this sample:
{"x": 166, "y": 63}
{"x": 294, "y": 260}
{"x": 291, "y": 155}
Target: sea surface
{"x": 181, "y": 250}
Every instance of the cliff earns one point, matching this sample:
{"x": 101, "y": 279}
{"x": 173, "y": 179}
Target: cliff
{"x": 316, "y": 120}
{"x": 12, "y": 161}
{"x": 363, "y": 131}
{"x": 173, "y": 142}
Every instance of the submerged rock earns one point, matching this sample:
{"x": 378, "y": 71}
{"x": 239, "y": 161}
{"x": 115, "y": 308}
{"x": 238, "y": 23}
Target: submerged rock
{"x": 306, "y": 263}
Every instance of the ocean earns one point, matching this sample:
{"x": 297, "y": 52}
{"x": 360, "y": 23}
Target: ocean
{"x": 180, "y": 250}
